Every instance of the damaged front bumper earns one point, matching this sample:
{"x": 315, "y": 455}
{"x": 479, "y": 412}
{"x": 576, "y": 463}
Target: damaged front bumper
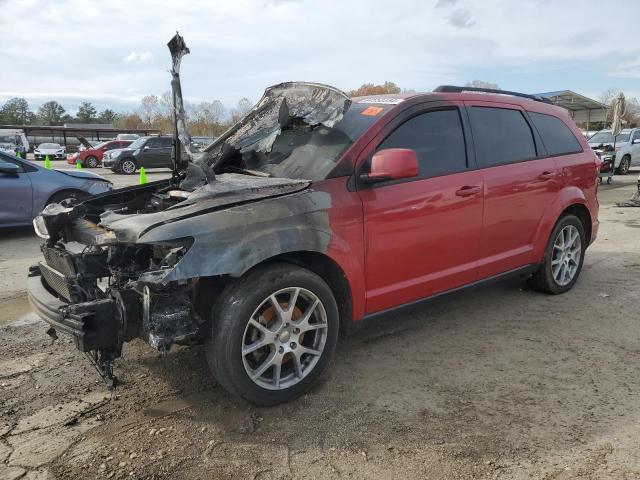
{"x": 76, "y": 294}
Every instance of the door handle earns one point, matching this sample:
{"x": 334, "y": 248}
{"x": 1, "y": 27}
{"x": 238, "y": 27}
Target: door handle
{"x": 546, "y": 175}
{"x": 468, "y": 190}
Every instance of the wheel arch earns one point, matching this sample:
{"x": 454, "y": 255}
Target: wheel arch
{"x": 569, "y": 200}
{"x": 582, "y": 212}
{"x": 65, "y": 189}
{"x": 209, "y": 288}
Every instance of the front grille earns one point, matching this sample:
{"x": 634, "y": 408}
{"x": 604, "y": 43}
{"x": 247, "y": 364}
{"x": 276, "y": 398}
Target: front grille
{"x": 56, "y": 281}
{"x": 59, "y": 260}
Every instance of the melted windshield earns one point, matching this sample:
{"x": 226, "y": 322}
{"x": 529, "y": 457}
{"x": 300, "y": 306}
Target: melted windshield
{"x": 309, "y": 152}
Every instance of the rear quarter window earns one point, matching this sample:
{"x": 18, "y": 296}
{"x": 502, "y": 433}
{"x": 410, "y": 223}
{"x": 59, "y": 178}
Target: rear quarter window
{"x": 501, "y": 136}
{"x": 556, "y": 135}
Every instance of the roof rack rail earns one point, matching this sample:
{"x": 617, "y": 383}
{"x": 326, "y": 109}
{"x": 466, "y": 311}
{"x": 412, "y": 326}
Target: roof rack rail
{"x": 454, "y": 89}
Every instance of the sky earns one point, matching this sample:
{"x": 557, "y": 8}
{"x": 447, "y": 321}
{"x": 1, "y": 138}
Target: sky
{"x": 113, "y": 52}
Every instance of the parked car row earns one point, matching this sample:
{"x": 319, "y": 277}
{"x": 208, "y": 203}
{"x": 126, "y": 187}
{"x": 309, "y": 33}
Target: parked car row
{"x": 91, "y": 155}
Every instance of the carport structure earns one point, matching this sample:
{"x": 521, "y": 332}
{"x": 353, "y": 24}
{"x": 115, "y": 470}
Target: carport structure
{"x": 583, "y": 110}
{"x": 66, "y": 134}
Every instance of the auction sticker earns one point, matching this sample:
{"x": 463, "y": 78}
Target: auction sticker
{"x": 371, "y": 111}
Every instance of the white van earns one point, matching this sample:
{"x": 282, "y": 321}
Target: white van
{"x": 14, "y": 141}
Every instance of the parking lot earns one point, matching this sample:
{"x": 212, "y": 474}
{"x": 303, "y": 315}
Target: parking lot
{"x": 498, "y": 382}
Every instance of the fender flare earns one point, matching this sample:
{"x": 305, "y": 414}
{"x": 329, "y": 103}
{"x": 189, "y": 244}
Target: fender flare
{"x": 567, "y": 197}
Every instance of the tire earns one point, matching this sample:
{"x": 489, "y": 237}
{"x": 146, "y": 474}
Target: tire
{"x": 624, "y": 166}
{"x": 91, "y": 162}
{"x": 59, "y": 197}
{"x": 128, "y": 166}
{"x": 552, "y": 277}
{"x": 245, "y": 304}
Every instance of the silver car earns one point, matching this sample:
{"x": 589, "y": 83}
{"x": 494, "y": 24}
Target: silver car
{"x": 26, "y": 188}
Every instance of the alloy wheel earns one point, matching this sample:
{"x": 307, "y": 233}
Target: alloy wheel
{"x": 284, "y": 338}
{"x": 128, "y": 167}
{"x": 566, "y": 255}
{"x": 624, "y": 166}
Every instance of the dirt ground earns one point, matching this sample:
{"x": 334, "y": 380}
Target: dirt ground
{"x": 498, "y": 382}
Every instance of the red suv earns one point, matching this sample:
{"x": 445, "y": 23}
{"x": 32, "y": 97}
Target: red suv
{"x": 312, "y": 213}
{"x": 92, "y": 156}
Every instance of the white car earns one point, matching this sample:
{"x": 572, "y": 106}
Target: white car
{"x": 54, "y": 151}
{"x": 626, "y": 150}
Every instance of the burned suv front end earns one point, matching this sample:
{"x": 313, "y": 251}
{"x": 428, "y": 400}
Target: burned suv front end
{"x": 148, "y": 261}
{"x": 92, "y": 286}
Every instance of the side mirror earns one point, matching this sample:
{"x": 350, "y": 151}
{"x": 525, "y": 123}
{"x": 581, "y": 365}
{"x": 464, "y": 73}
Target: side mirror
{"x": 392, "y": 164}
{"x": 635, "y": 141}
{"x": 146, "y": 147}
{"x": 9, "y": 168}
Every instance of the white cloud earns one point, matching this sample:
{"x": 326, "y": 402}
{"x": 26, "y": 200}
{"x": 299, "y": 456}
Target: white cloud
{"x": 137, "y": 58}
{"x": 461, "y": 18}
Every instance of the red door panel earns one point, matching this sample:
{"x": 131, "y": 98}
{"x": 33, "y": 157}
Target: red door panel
{"x": 517, "y": 192}
{"x": 422, "y": 237}
{"x": 516, "y": 197}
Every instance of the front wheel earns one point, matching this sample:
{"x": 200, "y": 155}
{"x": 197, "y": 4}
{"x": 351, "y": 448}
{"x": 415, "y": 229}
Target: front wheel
{"x": 274, "y": 333}
{"x": 624, "y": 166}
{"x": 563, "y": 257}
{"x": 128, "y": 167}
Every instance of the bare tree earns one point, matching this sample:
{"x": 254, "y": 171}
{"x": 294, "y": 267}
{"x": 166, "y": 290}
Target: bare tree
{"x": 243, "y": 107}
{"x": 371, "y": 89}
{"x": 608, "y": 95}
{"x": 482, "y": 84}
{"x": 148, "y": 108}
{"x": 165, "y": 104}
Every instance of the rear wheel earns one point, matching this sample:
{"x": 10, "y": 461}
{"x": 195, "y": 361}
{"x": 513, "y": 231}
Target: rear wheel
{"x": 128, "y": 167}
{"x": 91, "y": 162}
{"x": 563, "y": 257}
{"x": 624, "y": 166}
{"x": 274, "y": 333}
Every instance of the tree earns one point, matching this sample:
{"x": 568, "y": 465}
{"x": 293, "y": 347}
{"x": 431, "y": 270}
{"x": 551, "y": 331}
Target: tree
{"x": 128, "y": 121}
{"x": 107, "y": 116}
{"x": 482, "y": 84}
{"x": 87, "y": 113}
{"x": 608, "y": 95}
{"x": 16, "y": 112}
{"x": 165, "y": 104}
{"x": 243, "y": 107}
{"x": 51, "y": 113}
{"x": 371, "y": 89}
{"x": 148, "y": 108}
{"x": 210, "y": 112}
{"x": 631, "y": 116}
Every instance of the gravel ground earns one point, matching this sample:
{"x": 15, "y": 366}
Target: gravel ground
{"x": 498, "y": 382}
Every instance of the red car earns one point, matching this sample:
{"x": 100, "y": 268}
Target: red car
{"x": 92, "y": 156}
{"x": 314, "y": 212}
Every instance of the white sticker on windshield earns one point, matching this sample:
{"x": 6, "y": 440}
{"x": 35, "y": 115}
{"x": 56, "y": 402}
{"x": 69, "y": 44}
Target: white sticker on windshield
{"x": 384, "y": 100}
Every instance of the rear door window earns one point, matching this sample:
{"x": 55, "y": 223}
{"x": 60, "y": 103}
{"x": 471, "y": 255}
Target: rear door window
{"x": 501, "y": 136}
{"x": 556, "y": 136}
{"x": 438, "y": 140}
